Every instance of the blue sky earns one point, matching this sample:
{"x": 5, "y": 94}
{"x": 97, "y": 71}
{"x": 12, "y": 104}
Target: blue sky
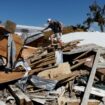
{"x": 36, "y": 12}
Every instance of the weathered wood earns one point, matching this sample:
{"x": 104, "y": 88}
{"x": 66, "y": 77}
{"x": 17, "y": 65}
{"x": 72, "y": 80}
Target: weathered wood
{"x": 91, "y": 79}
{"x": 10, "y": 76}
{"x": 70, "y": 76}
{"x": 40, "y": 69}
{"x": 43, "y": 60}
{"x": 63, "y": 68}
{"x": 90, "y": 61}
{"x": 69, "y": 48}
{"x": 83, "y": 54}
{"x": 82, "y": 48}
{"x": 78, "y": 64}
{"x": 20, "y": 97}
{"x": 68, "y": 101}
{"x": 101, "y": 73}
{"x": 2, "y": 103}
{"x": 47, "y": 97}
{"x": 61, "y": 96}
{"x": 66, "y": 76}
{"x": 95, "y": 91}
{"x": 42, "y": 56}
{"x": 72, "y": 43}
{"x": 40, "y": 101}
{"x": 15, "y": 75}
{"x": 46, "y": 63}
{"x": 3, "y": 45}
{"x": 29, "y": 52}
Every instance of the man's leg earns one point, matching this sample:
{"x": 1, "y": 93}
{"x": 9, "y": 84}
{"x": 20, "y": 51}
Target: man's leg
{"x": 60, "y": 43}
{"x": 52, "y": 39}
{"x": 59, "y": 39}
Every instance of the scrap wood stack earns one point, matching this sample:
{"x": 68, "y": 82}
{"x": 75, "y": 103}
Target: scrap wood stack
{"x": 65, "y": 83}
{"x": 44, "y": 58}
{"x": 70, "y": 45}
{"x": 78, "y": 80}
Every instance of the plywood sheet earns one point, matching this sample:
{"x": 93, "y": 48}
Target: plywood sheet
{"x": 63, "y": 68}
{"x": 4, "y": 42}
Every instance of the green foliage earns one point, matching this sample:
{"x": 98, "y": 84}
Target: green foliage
{"x": 97, "y": 14}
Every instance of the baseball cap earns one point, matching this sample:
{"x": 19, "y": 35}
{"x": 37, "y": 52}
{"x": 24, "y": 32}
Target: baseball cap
{"x": 49, "y": 20}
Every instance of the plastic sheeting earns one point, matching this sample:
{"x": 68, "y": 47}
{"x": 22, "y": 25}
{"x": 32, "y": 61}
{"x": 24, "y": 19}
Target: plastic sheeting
{"x": 43, "y": 83}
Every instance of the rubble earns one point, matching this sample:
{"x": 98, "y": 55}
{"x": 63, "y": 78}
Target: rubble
{"x": 36, "y": 76}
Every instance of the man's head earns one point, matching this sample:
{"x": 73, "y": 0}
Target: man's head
{"x": 49, "y": 20}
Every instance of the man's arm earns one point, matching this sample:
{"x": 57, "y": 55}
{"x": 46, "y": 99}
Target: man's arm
{"x": 61, "y": 26}
{"x": 45, "y": 28}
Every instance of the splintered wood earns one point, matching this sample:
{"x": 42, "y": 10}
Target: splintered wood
{"x": 78, "y": 80}
{"x": 3, "y": 45}
{"x": 21, "y": 98}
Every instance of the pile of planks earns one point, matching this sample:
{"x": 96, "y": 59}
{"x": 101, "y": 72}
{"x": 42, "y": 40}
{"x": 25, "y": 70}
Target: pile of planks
{"x": 76, "y": 81}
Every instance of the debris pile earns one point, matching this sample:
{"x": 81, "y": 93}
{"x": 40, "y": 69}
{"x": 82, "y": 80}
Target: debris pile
{"x": 73, "y": 75}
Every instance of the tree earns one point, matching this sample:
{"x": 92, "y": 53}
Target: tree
{"x": 97, "y": 14}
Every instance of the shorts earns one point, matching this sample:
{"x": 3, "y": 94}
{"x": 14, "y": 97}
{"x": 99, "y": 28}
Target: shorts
{"x": 57, "y": 36}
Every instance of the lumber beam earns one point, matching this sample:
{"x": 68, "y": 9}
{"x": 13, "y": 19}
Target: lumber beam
{"x": 20, "y": 97}
{"x": 70, "y": 101}
{"x": 91, "y": 79}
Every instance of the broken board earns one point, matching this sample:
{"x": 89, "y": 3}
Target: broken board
{"x": 4, "y": 42}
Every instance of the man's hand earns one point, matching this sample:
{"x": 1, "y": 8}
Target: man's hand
{"x": 42, "y": 31}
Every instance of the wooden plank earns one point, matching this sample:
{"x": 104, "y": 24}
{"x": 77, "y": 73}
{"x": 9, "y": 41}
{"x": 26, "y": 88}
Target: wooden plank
{"x": 70, "y": 76}
{"x": 46, "y": 63}
{"x": 77, "y": 102}
{"x": 3, "y": 45}
{"x": 42, "y": 56}
{"x": 40, "y": 101}
{"x": 91, "y": 79}
{"x": 20, "y": 97}
{"x": 69, "y": 48}
{"x": 40, "y": 69}
{"x": 72, "y": 43}
{"x": 15, "y": 75}
{"x": 29, "y": 52}
{"x": 81, "y": 62}
{"x": 82, "y": 48}
{"x": 90, "y": 61}
{"x": 10, "y": 76}
{"x": 66, "y": 76}
{"x": 83, "y": 54}
{"x": 95, "y": 91}
{"x": 63, "y": 68}
{"x": 70, "y": 101}
{"x": 43, "y": 60}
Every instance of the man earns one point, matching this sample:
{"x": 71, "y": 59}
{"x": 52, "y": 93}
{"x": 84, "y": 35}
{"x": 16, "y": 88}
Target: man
{"x": 57, "y": 28}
